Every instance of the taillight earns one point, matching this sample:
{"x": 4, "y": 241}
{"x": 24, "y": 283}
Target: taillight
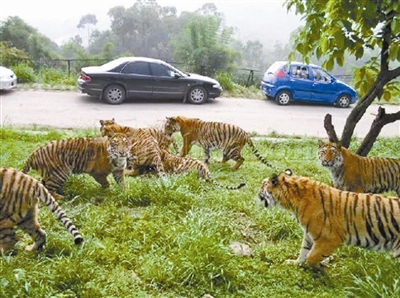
{"x": 85, "y": 77}
{"x": 280, "y": 73}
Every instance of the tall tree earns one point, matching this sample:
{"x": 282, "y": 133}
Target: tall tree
{"x": 336, "y": 27}
{"x": 22, "y": 36}
{"x": 88, "y": 21}
{"x": 205, "y": 44}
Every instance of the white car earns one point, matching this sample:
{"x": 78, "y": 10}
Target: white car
{"x": 8, "y": 79}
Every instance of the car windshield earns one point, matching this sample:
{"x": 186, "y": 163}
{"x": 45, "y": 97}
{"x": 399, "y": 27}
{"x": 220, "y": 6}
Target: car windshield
{"x": 176, "y": 70}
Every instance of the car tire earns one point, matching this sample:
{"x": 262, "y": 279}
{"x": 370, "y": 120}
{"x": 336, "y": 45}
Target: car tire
{"x": 197, "y": 95}
{"x": 283, "y": 98}
{"x": 343, "y": 101}
{"x": 114, "y": 94}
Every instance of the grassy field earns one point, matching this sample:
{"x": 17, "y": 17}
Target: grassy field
{"x": 172, "y": 237}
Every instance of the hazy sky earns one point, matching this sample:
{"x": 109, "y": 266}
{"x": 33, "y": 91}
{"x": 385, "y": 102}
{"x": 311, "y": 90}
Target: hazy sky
{"x": 58, "y": 19}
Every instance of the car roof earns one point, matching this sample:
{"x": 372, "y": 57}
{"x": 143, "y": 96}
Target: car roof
{"x": 297, "y": 63}
{"x": 131, "y": 59}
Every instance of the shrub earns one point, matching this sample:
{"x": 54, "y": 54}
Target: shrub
{"x": 25, "y": 73}
{"x": 226, "y": 80}
{"x": 51, "y": 76}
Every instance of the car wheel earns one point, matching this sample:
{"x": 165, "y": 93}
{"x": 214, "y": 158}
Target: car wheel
{"x": 114, "y": 94}
{"x": 197, "y": 95}
{"x": 283, "y": 98}
{"x": 343, "y": 101}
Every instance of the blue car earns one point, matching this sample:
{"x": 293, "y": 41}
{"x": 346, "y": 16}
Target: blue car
{"x": 296, "y": 81}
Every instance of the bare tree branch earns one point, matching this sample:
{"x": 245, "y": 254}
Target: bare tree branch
{"x": 330, "y": 129}
{"x": 380, "y": 121}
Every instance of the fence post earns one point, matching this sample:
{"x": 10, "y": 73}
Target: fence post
{"x": 69, "y": 67}
{"x": 250, "y": 78}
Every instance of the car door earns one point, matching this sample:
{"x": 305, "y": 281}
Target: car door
{"x": 299, "y": 80}
{"x": 167, "y": 84}
{"x": 323, "y": 89}
{"x": 137, "y": 79}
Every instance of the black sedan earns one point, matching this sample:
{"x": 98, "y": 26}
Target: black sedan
{"x": 138, "y": 77}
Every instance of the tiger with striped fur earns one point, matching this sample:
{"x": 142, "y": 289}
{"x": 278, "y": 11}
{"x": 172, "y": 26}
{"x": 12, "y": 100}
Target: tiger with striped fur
{"x": 331, "y": 217}
{"x": 210, "y": 135}
{"x": 358, "y": 173}
{"x": 164, "y": 140}
{"x": 19, "y": 198}
{"x": 179, "y": 165}
{"x": 97, "y": 157}
{"x": 145, "y": 147}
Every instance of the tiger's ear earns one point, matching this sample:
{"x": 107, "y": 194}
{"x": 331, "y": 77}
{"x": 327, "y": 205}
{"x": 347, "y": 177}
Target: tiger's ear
{"x": 288, "y": 172}
{"x": 113, "y": 120}
{"x": 101, "y": 122}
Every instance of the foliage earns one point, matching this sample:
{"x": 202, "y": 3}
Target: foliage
{"x": 205, "y": 43}
{"x": 25, "y": 73}
{"x": 171, "y": 236}
{"x": 334, "y": 28}
{"x": 25, "y": 38}
{"x": 10, "y": 55}
{"x": 225, "y": 79}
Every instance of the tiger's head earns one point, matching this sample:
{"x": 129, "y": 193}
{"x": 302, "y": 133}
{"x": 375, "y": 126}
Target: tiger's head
{"x": 105, "y": 126}
{"x": 119, "y": 149}
{"x": 274, "y": 190}
{"x": 330, "y": 154}
{"x": 172, "y": 125}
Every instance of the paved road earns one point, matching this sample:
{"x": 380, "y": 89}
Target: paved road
{"x": 75, "y": 110}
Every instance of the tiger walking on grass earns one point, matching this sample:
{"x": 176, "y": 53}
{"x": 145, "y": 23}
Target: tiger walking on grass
{"x": 98, "y": 157}
{"x": 19, "y": 198}
{"x": 331, "y": 217}
{"x": 210, "y": 135}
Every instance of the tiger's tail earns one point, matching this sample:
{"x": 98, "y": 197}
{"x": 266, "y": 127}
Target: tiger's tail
{"x": 53, "y": 206}
{"x": 257, "y": 154}
{"x": 226, "y": 186}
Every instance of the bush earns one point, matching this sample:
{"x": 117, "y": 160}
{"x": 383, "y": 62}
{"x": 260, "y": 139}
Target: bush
{"x": 25, "y": 73}
{"x": 52, "y": 76}
{"x": 226, "y": 80}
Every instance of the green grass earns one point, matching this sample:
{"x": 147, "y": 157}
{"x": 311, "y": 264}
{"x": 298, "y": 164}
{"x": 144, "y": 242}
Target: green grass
{"x": 171, "y": 237}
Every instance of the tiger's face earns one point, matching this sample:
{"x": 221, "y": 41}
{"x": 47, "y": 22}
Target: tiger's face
{"x": 329, "y": 154}
{"x": 119, "y": 149}
{"x": 271, "y": 190}
{"x": 104, "y": 126}
{"x": 171, "y": 125}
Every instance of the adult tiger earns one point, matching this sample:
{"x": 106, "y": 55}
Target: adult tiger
{"x": 19, "y": 197}
{"x": 164, "y": 140}
{"x": 209, "y": 135}
{"x": 145, "y": 147}
{"x": 330, "y": 216}
{"x": 179, "y": 165}
{"x": 357, "y": 173}
{"x": 97, "y": 157}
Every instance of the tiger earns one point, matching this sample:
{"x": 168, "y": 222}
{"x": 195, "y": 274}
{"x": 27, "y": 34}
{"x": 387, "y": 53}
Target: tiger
{"x": 331, "y": 217}
{"x": 97, "y": 157}
{"x": 164, "y": 140}
{"x": 209, "y": 135}
{"x": 19, "y": 198}
{"x": 145, "y": 147}
{"x": 178, "y": 165}
{"x": 357, "y": 173}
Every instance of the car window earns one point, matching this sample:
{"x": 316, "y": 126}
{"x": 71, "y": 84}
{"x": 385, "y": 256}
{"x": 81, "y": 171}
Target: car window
{"x": 304, "y": 72}
{"x": 160, "y": 70}
{"x": 321, "y": 76}
{"x": 295, "y": 71}
{"x": 137, "y": 67}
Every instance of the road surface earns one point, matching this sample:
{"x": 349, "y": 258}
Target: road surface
{"x": 66, "y": 109}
